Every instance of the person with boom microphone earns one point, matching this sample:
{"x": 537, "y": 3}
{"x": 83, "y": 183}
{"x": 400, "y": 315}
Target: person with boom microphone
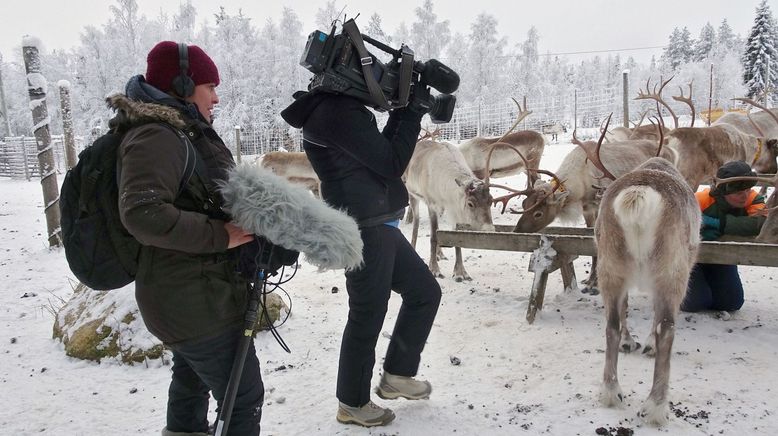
{"x": 360, "y": 168}
{"x": 187, "y": 289}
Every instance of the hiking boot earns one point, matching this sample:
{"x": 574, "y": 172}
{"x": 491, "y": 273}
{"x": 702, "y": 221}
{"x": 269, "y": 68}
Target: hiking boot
{"x": 392, "y": 387}
{"x": 369, "y": 415}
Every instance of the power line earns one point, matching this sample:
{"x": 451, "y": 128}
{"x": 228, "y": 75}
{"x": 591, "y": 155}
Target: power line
{"x": 512, "y": 56}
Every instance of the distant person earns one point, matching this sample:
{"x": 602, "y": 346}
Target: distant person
{"x": 727, "y": 209}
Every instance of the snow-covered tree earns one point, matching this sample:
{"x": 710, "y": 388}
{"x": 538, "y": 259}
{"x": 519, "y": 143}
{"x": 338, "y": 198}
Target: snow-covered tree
{"x": 679, "y": 49}
{"x": 725, "y": 37}
{"x": 705, "y": 43}
{"x": 327, "y": 15}
{"x": 375, "y": 29}
{"x": 761, "y": 53}
{"x": 429, "y": 36}
{"x": 481, "y": 75}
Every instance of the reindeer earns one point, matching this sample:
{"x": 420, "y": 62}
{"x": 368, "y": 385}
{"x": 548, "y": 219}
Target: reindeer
{"x": 702, "y": 150}
{"x": 504, "y": 162}
{"x": 576, "y": 187}
{"x": 647, "y": 234}
{"x": 294, "y": 166}
{"x": 439, "y": 176}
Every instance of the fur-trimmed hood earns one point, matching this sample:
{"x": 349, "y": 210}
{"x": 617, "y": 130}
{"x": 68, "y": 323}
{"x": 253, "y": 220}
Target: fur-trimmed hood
{"x": 142, "y": 103}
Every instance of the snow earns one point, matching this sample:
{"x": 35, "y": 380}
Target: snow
{"x": 492, "y": 372}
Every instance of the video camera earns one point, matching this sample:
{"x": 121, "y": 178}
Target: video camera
{"x": 341, "y": 64}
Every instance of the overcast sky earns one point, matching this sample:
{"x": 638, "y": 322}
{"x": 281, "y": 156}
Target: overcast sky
{"x": 565, "y": 27}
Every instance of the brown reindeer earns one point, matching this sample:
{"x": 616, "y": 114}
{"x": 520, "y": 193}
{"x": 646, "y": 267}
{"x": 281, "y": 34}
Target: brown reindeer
{"x": 647, "y": 235}
{"x": 581, "y": 184}
{"x": 292, "y": 165}
{"x": 702, "y": 150}
{"x": 504, "y": 161}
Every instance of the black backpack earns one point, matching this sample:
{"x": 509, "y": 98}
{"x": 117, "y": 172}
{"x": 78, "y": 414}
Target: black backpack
{"x": 99, "y": 250}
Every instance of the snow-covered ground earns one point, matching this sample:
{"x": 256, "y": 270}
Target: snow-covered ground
{"x": 514, "y": 378}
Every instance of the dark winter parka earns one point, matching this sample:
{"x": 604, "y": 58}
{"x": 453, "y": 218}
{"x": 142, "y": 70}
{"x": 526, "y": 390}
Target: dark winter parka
{"x": 186, "y": 285}
{"x": 360, "y": 169}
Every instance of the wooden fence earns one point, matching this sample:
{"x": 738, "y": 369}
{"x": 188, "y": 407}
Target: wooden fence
{"x": 556, "y": 248}
{"x": 19, "y": 156}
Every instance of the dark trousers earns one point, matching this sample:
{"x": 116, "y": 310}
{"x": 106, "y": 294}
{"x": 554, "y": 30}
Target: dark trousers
{"x": 390, "y": 264}
{"x": 205, "y": 366}
{"x": 713, "y": 287}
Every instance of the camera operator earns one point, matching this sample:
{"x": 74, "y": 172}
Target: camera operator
{"x": 360, "y": 169}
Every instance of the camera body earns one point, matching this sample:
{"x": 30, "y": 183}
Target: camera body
{"x": 338, "y": 68}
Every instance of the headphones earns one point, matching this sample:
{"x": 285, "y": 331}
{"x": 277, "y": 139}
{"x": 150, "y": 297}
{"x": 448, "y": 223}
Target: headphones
{"x": 183, "y": 85}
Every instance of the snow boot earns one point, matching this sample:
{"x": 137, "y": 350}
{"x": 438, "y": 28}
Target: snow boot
{"x": 369, "y": 415}
{"x": 395, "y": 386}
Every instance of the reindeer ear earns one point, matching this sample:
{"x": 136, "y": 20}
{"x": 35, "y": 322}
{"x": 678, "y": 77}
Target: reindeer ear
{"x": 772, "y": 143}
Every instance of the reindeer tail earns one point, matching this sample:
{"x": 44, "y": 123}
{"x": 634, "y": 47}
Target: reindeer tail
{"x": 638, "y": 210}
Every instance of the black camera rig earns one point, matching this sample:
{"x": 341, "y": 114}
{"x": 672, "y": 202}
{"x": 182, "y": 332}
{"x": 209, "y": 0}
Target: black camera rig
{"x": 341, "y": 64}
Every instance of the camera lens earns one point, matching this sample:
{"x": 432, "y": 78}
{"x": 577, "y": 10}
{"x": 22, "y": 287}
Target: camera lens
{"x": 442, "y": 108}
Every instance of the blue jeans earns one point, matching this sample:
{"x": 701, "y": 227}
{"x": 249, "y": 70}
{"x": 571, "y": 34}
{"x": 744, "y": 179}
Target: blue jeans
{"x": 713, "y": 287}
{"x": 205, "y": 366}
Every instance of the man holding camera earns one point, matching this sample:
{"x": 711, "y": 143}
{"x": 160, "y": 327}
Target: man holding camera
{"x": 360, "y": 168}
{"x": 188, "y": 292}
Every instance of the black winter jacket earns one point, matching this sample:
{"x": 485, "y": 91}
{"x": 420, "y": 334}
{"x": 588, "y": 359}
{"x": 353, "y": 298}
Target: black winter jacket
{"x": 186, "y": 286}
{"x": 359, "y": 167}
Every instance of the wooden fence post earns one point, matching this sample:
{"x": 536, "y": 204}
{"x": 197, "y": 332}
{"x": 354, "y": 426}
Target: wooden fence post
{"x": 71, "y": 157}
{"x": 237, "y": 143}
{"x": 625, "y": 97}
{"x": 36, "y": 86}
{"x": 25, "y": 160}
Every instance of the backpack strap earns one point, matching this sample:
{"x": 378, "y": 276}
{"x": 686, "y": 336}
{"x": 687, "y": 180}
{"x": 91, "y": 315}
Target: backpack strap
{"x": 192, "y": 160}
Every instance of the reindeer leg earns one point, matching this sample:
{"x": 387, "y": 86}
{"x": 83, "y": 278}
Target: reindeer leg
{"x": 667, "y": 299}
{"x": 590, "y": 284}
{"x": 627, "y": 344}
{"x": 413, "y": 213}
{"x": 613, "y": 293}
{"x": 434, "y": 268}
{"x": 459, "y": 267}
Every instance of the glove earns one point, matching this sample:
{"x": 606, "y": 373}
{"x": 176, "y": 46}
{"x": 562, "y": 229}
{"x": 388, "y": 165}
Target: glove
{"x": 710, "y": 233}
{"x": 709, "y": 221}
{"x": 420, "y": 100}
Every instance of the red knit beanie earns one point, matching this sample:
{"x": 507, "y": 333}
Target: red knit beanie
{"x": 162, "y": 66}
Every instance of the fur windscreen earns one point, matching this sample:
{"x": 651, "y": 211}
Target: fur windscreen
{"x": 287, "y": 215}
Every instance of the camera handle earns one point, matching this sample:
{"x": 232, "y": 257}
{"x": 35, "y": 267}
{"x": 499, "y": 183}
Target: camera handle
{"x": 406, "y": 69}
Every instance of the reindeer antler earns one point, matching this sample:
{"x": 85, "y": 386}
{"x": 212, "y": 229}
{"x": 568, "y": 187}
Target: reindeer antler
{"x": 757, "y": 105}
{"x": 429, "y": 135}
{"x": 686, "y": 100}
{"x": 515, "y": 192}
{"x": 657, "y": 95}
{"x": 658, "y": 125}
{"x": 593, "y": 151}
{"x": 642, "y": 116}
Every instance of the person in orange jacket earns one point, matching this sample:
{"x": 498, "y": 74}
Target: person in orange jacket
{"x": 727, "y": 209}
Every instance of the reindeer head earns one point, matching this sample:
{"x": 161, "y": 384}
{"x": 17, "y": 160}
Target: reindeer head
{"x": 765, "y": 162}
{"x": 541, "y": 207}
{"x": 476, "y": 208}
{"x": 769, "y": 232}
